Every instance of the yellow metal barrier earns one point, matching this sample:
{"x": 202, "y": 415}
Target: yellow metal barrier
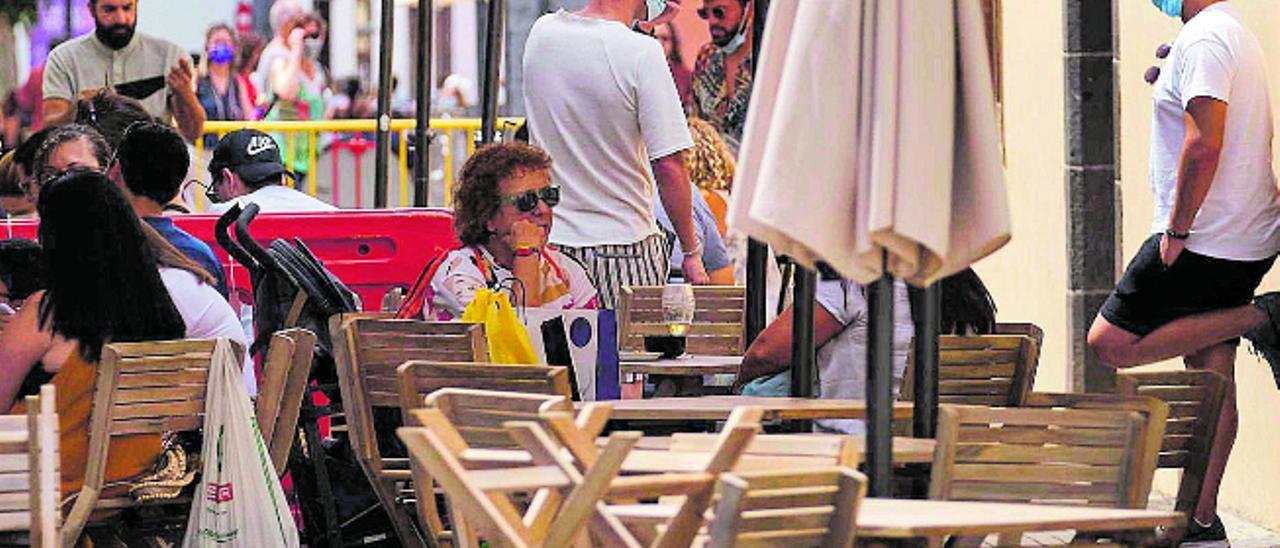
{"x": 448, "y": 129}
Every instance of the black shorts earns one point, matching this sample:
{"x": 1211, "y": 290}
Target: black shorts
{"x": 1150, "y": 295}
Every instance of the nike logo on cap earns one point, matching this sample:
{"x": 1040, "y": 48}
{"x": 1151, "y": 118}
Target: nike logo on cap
{"x": 259, "y": 144}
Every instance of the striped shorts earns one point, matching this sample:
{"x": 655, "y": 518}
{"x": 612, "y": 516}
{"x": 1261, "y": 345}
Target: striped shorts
{"x": 613, "y": 267}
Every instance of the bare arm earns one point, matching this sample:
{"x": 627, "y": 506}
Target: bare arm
{"x": 1202, "y": 148}
{"x": 184, "y": 103}
{"x": 57, "y": 112}
{"x": 25, "y": 345}
{"x": 674, "y": 188}
{"x": 284, "y": 76}
{"x": 770, "y": 353}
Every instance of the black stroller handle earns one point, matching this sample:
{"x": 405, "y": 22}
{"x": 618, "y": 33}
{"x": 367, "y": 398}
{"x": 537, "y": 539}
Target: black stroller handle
{"x": 224, "y": 239}
{"x": 246, "y": 240}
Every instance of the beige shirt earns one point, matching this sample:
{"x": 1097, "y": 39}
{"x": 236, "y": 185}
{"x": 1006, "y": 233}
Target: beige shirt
{"x": 85, "y": 63}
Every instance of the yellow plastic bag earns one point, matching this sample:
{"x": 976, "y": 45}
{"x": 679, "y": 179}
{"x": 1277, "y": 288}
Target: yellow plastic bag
{"x": 508, "y": 341}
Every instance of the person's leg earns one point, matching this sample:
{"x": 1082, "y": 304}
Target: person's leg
{"x": 1221, "y": 359}
{"x": 1181, "y": 337}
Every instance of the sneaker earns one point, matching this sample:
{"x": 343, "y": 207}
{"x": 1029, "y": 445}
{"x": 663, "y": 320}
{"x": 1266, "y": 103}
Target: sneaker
{"x": 1265, "y": 338}
{"x": 1213, "y": 533}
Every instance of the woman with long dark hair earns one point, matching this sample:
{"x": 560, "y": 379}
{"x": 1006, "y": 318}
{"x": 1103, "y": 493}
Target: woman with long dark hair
{"x": 104, "y": 286}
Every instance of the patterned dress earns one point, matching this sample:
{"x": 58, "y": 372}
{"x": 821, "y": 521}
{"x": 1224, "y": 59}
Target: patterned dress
{"x": 723, "y": 105}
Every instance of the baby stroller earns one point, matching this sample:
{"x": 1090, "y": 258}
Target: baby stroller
{"x": 291, "y": 288}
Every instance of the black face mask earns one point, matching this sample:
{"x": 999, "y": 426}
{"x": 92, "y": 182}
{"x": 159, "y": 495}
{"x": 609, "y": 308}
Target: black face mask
{"x": 115, "y": 36}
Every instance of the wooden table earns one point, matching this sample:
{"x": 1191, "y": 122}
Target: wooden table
{"x": 935, "y": 519}
{"x": 714, "y": 408}
{"x": 683, "y": 376}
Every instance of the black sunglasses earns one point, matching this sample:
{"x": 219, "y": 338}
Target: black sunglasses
{"x": 718, "y": 12}
{"x": 527, "y": 201}
{"x": 210, "y": 189}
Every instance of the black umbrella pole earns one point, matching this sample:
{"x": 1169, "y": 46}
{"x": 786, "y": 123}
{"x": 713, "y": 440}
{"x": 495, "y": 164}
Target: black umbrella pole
{"x": 880, "y": 387}
{"x": 495, "y": 22}
{"x": 421, "y": 134}
{"x": 757, "y": 289}
{"x": 802, "y": 369}
{"x": 382, "y": 157}
{"x": 925, "y": 375}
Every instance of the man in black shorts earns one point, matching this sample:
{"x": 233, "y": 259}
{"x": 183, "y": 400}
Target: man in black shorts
{"x": 1189, "y": 290}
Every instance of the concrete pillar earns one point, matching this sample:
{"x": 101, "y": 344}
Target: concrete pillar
{"x": 1093, "y": 198}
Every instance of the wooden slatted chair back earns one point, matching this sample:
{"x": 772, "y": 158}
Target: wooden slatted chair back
{"x": 992, "y": 370}
{"x": 1039, "y": 455}
{"x": 719, "y": 312}
{"x": 1153, "y": 411}
{"x": 367, "y": 352}
{"x": 284, "y": 382}
{"x": 417, "y": 379}
{"x": 142, "y": 388}
{"x": 481, "y": 499}
{"x": 1195, "y": 402}
{"x": 29, "y": 474}
{"x": 479, "y": 415}
{"x": 816, "y": 508}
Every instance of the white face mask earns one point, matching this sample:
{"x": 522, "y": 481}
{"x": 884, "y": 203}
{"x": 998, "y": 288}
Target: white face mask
{"x": 654, "y": 9}
{"x": 737, "y": 42}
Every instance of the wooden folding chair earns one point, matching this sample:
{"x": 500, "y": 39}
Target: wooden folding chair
{"x": 773, "y": 451}
{"x": 482, "y": 498}
{"x": 284, "y": 382}
{"x": 816, "y": 507}
{"x": 367, "y": 352}
{"x": 1041, "y": 455}
{"x": 29, "y": 474}
{"x": 1195, "y": 403}
{"x": 993, "y": 370}
{"x": 719, "y": 312}
{"x": 142, "y": 388}
{"x": 418, "y": 378}
{"x": 678, "y": 525}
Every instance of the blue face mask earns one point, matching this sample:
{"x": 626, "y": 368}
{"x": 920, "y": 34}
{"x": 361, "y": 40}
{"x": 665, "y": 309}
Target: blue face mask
{"x": 1172, "y": 8}
{"x": 221, "y": 54}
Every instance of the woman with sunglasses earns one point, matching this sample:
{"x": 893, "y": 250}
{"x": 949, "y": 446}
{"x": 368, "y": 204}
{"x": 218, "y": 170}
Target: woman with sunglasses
{"x": 502, "y": 214}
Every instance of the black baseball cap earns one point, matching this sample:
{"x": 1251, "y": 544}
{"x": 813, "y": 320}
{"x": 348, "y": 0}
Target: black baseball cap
{"x": 251, "y": 154}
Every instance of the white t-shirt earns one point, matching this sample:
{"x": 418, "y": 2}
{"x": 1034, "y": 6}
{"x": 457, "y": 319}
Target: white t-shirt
{"x": 275, "y": 198}
{"x": 842, "y": 361}
{"x": 601, "y": 101}
{"x": 206, "y": 314}
{"x": 1216, "y": 56}
{"x": 462, "y": 272}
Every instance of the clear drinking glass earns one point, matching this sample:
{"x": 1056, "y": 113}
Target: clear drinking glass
{"x": 677, "y": 308}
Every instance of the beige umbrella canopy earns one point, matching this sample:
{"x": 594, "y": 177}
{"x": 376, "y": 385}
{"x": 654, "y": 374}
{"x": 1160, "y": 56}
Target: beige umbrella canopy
{"x": 873, "y": 129}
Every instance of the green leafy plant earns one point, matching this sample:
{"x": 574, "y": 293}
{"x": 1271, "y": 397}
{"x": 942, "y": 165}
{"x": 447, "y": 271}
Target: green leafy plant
{"x": 19, "y": 11}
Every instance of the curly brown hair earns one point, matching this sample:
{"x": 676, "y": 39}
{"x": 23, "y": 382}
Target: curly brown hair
{"x": 709, "y": 162}
{"x": 475, "y": 194}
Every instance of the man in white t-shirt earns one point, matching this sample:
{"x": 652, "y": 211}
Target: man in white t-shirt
{"x": 601, "y": 101}
{"x": 246, "y": 168}
{"x": 1189, "y": 290}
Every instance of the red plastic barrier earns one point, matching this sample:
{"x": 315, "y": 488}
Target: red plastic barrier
{"x": 372, "y": 251}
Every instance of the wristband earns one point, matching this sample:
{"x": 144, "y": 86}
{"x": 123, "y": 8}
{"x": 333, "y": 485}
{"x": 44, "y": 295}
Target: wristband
{"x": 527, "y": 251}
{"x": 697, "y": 249}
{"x": 1177, "y": 235}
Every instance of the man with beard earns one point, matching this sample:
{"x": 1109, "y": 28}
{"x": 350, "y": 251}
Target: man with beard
{"x": 155, "y": 72}
{"x": 722, "y": 73}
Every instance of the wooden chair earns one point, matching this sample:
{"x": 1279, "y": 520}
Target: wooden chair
{"x": 29, "y": 475}
{"x": 678, "y": 525}
{"x": 284, "y": 382}
{"x": 792, "y": 508}
{"x": 991, "y": 370}
{"x": 418, "y": 379}
{"x": 1153, "y": 412}
{"x": 773, "y": 451}
{"x": 142, "y": 388}
{"x": 1054, "y": 456}
{"x": 481, "y": 499}
{"x": 717, "y": 319}
{"x": 367, "y": 352}
{"x": 1195, "y": 402}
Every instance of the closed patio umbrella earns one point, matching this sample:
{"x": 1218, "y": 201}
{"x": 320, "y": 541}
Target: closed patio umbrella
{"x": 872, "y": 145}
